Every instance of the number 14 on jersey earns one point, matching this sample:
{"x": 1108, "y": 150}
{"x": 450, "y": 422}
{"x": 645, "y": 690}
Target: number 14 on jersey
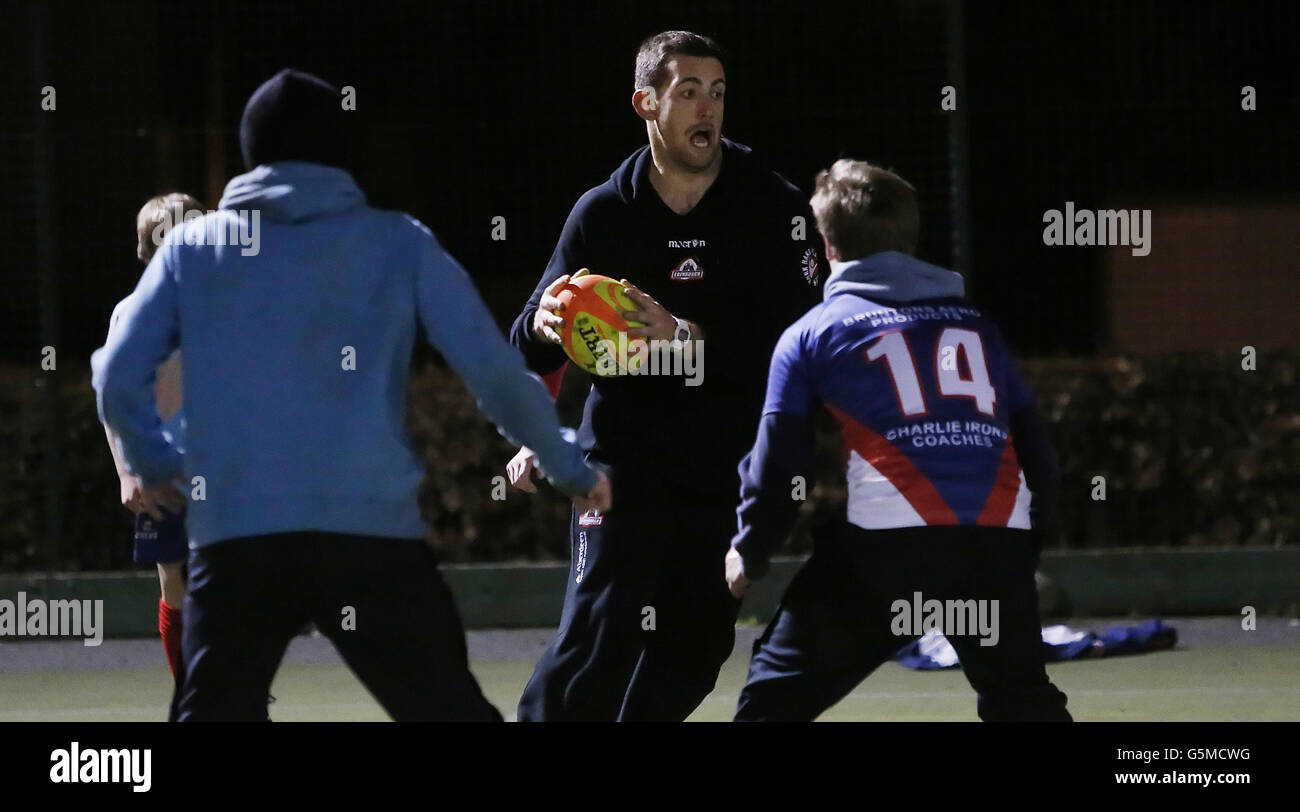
{"x": 952, "y": 343}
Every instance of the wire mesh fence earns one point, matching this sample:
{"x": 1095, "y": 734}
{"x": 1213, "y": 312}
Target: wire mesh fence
{"x": 473, "y": 111}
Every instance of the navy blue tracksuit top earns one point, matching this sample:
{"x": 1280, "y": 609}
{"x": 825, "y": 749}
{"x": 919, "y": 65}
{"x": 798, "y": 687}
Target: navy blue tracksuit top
{"x": 743, "y": 264}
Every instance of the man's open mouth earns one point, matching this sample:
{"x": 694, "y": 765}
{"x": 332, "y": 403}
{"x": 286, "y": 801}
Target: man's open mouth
{"x": 701, "y": 137}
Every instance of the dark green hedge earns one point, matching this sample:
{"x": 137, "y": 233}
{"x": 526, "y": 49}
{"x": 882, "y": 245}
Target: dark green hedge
{"x": 1194, "y": 451}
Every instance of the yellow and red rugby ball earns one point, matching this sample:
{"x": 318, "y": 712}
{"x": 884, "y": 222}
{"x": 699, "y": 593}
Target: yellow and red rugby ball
{"x": 593, "y": 319}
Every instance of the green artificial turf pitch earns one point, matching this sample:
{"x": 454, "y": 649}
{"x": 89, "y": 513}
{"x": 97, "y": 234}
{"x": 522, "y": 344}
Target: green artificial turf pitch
{"x": 1206, "y": 683}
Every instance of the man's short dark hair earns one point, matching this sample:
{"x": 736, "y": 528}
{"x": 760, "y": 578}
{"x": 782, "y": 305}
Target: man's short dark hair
{"x": 660, "y": 48}
{"x": 863, "y": 209}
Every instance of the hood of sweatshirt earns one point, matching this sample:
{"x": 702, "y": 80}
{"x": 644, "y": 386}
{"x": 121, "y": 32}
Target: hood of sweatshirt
{"x": 893, "y": 276}
{"x": 293, "y": 191}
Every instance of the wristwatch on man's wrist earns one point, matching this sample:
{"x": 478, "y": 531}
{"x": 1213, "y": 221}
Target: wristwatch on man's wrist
{"x": 683, "y": 330}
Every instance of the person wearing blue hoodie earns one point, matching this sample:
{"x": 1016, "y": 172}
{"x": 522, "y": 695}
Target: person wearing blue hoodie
{"x": 297, "y": 306}
{"x": 951, "y": 477}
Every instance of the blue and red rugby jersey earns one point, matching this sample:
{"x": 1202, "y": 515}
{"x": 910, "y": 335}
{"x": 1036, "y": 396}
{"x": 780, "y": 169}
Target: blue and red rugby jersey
{"x": 939, "y": 426}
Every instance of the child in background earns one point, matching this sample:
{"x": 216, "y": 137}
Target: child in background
{"x": 159, "y": 533}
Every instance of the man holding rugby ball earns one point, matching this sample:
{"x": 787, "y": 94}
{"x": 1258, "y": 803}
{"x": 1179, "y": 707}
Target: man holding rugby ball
{"x": 728, "y": 249}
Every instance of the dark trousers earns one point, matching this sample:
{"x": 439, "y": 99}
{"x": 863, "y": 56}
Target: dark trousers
{"x": 647, "y": 620}
{"x": 381, "y": 602}
{"x": 839, "y": 620}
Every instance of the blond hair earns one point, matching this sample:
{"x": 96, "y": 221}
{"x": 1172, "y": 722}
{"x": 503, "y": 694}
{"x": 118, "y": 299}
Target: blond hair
{"x": 166, "y": 211}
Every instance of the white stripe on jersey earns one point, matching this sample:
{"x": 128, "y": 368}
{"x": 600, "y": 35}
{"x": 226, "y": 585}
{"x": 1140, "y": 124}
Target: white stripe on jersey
{"x": 874, "y": 502}
{"x": 1020, "y": 512}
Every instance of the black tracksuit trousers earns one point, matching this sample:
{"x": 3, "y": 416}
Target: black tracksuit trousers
{"x": 839, "y": 620}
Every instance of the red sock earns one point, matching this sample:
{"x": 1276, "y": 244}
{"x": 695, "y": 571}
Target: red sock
{"x": 169, "y": 626}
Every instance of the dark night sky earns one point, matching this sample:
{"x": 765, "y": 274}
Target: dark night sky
{"x": 472, "y": 110}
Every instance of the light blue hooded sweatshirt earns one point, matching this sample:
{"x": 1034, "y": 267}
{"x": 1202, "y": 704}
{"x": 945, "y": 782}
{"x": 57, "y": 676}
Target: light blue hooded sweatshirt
{"x": 297, "y": 335}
